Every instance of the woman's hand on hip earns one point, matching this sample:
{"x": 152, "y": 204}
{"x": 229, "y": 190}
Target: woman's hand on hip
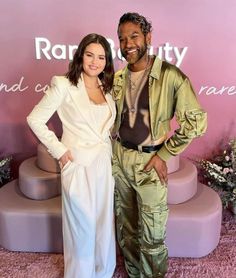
{"x": 65, "y": 158}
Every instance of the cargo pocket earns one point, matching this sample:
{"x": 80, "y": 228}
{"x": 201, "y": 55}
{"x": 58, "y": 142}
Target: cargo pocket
{"x": 154, "y": 221}
{"x": 195, "y": 123}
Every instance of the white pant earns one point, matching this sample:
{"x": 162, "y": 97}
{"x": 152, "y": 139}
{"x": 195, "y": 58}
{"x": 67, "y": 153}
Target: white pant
{"x": 87, "y": 214}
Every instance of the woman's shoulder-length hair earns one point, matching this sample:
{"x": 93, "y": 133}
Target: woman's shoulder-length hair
{"x": 76, "y": 65}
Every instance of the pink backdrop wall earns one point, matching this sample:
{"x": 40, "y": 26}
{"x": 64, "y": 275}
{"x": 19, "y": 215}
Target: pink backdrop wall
{"x": 203, "y": 32}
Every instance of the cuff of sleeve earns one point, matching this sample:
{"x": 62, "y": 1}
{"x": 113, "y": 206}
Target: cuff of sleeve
{"x": 58, "y": 151}
{"x": 164, "y": 154}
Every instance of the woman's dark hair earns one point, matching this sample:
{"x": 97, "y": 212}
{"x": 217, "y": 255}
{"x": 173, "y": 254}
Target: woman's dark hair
{"x": 136, "y": 18}
{"x": 76, "y": 65}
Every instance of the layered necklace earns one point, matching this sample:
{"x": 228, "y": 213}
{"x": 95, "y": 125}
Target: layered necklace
{"x": 135, "y": 86}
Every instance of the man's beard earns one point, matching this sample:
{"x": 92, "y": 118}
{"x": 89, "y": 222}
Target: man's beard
{"x": 139, "y": 55}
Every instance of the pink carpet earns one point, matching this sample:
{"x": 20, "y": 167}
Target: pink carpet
{"x": 221, "y": 263}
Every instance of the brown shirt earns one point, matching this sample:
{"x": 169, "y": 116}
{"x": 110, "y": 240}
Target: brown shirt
{"x": 135, "y": 126}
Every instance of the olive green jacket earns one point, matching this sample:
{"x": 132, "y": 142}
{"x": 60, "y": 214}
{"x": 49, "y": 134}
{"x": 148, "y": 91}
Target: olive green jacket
{"x": 170, "y": 94}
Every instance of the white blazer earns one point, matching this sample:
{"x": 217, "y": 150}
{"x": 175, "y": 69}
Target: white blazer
{"x": 80, "y": 132}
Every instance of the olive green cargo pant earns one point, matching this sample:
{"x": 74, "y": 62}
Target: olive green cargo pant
{"x": 141, "y": 213}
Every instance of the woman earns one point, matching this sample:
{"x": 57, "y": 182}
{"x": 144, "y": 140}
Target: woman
{"x": 84, "y": 104}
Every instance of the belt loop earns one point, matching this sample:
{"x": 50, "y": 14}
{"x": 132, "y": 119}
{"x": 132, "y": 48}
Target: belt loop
{"x": 140, "y": 148}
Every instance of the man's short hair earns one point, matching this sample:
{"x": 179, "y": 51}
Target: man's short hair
{"x": 136, "y": 18}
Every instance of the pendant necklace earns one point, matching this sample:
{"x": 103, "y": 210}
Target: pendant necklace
{"x": 135, "y": 87}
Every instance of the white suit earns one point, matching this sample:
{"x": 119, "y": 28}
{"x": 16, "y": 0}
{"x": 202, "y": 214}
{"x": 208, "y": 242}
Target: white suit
{"x": 87, "y": 182}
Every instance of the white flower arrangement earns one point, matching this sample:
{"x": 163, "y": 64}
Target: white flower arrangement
{"x": 219, "y": 172}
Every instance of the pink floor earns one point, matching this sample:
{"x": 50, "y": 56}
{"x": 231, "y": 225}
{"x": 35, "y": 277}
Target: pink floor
{"x": 221, "y": 263}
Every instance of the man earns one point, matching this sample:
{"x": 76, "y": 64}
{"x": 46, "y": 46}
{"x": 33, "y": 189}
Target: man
{"x": 148, "y": 93}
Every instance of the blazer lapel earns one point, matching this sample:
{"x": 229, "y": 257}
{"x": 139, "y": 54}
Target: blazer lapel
{"x": 82, "y": 102}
